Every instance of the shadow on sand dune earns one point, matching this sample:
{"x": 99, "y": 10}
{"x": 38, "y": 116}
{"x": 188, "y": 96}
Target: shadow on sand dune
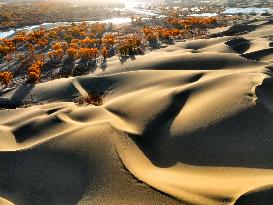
{"x": 261, "y": 196}
{"x": 258, "y": 55}
{"x": 220, "y": 144}
{"x": 43, "y": 177}
{"x": 239, "y": 45}
{"x": 236, "y": 29}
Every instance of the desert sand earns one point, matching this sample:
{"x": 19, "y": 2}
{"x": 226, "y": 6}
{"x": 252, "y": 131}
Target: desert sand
{"x": 188, "y": 124}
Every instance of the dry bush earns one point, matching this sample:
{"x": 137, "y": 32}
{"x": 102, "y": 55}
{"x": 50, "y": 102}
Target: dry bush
{"x": 90, "y": 99}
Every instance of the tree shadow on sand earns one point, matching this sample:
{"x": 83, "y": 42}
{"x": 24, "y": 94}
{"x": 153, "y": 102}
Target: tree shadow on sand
{"x": 123, "y": 59}
{"x": 84, "y": 68}
{"x": 103, "y": 65}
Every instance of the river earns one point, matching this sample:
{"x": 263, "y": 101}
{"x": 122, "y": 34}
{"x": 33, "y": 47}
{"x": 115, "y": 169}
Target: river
{"x": 138, "y": 8}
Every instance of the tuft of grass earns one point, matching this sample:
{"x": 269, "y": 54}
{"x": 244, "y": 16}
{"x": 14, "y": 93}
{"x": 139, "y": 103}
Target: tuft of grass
{"x": 90, "y": 99}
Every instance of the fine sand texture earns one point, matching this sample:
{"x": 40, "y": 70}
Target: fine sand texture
{"x": 189, "y": 124}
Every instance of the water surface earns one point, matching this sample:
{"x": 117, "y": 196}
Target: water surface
{"x": 247, "y": 10}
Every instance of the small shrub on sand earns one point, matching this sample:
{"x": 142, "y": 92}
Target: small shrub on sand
{"x": 90, "y": 99}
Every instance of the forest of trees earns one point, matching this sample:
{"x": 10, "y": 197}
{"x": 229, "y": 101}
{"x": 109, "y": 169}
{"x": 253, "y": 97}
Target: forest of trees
{"x": 79, "y": 48}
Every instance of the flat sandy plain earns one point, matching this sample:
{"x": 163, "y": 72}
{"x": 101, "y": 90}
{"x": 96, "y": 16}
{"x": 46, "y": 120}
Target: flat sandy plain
{"x": 188, "y": 124}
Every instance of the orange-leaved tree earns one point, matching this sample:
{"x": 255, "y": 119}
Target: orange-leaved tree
{"x": 109, "y": 41}
{"x": 88, "y": 54}
{"x": 104, "y": 53}
{"x": 35, "y": 70}
{"x": 6, "y": 77}
{"x": 72, "y": 53}
{"x": 57, "y": 51}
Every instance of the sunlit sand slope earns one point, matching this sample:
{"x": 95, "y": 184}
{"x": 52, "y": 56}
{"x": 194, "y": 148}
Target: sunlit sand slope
{"x": 188, "y": 124}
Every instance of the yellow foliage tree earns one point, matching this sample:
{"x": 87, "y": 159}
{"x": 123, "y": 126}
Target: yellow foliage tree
{"x": 6, "y": 77}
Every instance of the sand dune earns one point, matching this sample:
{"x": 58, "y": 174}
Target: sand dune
{"x": 187, "y": 124}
